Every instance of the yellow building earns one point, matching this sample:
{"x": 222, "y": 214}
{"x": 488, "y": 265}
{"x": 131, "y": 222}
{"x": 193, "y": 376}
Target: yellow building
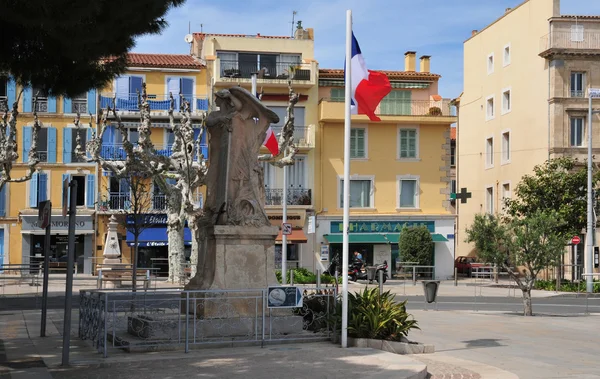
{"x": 400, "y": 168}
{"x": 526, "y": 77}
{"x": 230, "y": 60}
{"x": 21, "y": 238}
{"x": 163, "y": 74}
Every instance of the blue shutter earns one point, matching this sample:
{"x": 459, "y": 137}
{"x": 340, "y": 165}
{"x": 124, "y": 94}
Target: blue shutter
{"x": 42, "y": 187}
{"x": 11, "y": 92}
{"x": 2, "y": 204}
{"x": 67, "y": 107}
{"x": 33, "y": 191}
{"x": 124, "y": 186}
{"x": 68, "y": 178}
{"x": 122, "y": 87}
{"x": 135, "y": 85}
{"x": 91, "y": 101}
{"x": 27, "y": 133}
{"x": 52, "y": 145}
{"x": 67, "y": 144}
{"x": 90, "y": 190}
{"x": 173, "y": 88}
{"x": 27, "y": 99}
{"x": 187, "y": 89}
{"x": 51, "y": 104}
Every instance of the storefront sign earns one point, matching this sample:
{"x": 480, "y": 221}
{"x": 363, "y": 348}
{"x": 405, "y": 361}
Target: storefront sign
{"x": 149, "y": 219}
{"x": 378, "y": 226}
{"x": 294, "y": 218}
{"x": 311, "y": 224}
{"x": 58, "y": 224}
{"x": 324, "y": 252}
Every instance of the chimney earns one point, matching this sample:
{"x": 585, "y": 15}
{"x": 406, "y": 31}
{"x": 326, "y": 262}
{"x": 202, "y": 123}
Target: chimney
{"x": 473, "y": 32}
{"x": 425, "y": 61}
{"x": 410, "y": 61}
{"x": 507, "y": 10}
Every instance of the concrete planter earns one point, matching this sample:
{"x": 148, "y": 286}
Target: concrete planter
{"x": 395, "y": 347}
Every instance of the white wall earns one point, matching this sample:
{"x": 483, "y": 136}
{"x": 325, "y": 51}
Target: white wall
{"x": 444, "y": 251}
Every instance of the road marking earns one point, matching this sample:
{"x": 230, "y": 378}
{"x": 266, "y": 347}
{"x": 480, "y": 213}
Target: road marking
{"x": 532, "y": 303}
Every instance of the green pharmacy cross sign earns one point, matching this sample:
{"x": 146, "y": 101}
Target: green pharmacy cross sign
{"x": 463, "y": 195}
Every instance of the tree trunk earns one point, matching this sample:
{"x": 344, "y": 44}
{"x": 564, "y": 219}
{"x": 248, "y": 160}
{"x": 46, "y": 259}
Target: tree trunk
{"x": 194, "y": 255}
{"x": 176, "y": 251}
{"x": 134, "y": 262}
{"x": 527, "y": 310}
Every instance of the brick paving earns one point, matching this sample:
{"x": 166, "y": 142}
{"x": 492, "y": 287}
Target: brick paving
{"x": 443, "y": 370}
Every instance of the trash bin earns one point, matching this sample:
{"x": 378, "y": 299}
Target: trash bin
{"x": 371, "y": 273}
{"x": 430, "y": 288}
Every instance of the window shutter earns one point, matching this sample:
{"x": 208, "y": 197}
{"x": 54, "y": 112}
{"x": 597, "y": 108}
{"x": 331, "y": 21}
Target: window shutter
{"x": 67, "y": 144}
{"x": 122, "y": 87}
{"x": 360, "y": 143}
{"x": 91, "y": 101}
{"x": 27, "y": 132}
{"x": 3, "y": 201}
{"x": 43, "y": 187}
{"x": 27, "y": 99}
{"x": 135, "y": 86}
{"x": 51, "y": 104}
{"x": 68, "y": 178}
{"x": 11, "y": 92}
{"x": 173, "y": 89}
{"x": 51, "y": 145}
{"x": 67, "y": 105}
{"x": 187, "y": 89}
{"x": 33, "y": 191}
{"x": 90, "y": 190}
{"x": 204, "y": 145}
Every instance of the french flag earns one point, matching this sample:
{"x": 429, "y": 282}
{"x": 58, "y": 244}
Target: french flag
{"x": 368, "y": 87}
{"x": 271, "y": 142}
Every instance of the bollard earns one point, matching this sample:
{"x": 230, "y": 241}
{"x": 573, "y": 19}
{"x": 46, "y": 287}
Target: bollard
{"x": 414, "y": 276}
{"x": 380, "y": 282}
{"x": 455, "y": 277}
{"x": 291, "y": 277}
{"x": 318, "y": 278}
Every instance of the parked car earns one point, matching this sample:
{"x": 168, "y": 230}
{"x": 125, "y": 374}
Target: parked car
{"x": 465, "y": 265}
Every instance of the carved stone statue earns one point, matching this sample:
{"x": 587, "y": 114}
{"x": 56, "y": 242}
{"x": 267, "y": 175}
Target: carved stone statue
{"x": 235, "y": 190}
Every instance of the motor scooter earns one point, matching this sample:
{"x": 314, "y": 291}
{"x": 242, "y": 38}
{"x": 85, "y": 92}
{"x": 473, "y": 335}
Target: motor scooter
{"x": 358, "y": 272}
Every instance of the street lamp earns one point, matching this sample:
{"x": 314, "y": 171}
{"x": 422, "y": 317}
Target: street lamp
{"x": 589, "y": 239}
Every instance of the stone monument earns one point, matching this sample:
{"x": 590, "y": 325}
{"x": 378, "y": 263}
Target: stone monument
{"x": 112, "y": 251}
{"x": 236, "y": 240}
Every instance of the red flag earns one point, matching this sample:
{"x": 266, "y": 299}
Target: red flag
{"x": 271, "y": 142}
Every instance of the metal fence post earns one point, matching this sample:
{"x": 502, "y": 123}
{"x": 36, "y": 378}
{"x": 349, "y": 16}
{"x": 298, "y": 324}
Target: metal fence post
{"x": 455, "y": 277}
{"x": 187, "y": 321}
{"x": 105, "y": 337}
{"x": 318, "y": 278}
{"x": 414, "y": 276}
{"x": 380, "y": 282}
{"x": 291, "y": 277}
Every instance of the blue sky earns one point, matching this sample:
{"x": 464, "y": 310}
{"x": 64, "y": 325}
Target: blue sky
{"x": 385, "y": 29}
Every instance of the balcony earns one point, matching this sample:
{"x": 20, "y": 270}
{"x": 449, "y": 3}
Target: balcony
{"x": 115, "y": 152}
{"x": 121, "y": 202}
{"x": 41, "y": 105}
{"x": 302, "y": 75}
{"x": 570, "y": 43}
{"x": 432, "y": 111}
{"x": 295, "y": 196}
{"x": 304, "y": 136}
{"x": 158, "y": 103}
{"x": 79, "y": 106}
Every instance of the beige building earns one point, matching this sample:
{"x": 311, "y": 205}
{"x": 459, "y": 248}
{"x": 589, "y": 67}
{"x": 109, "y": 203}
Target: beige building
{"x": 526, "y": 77}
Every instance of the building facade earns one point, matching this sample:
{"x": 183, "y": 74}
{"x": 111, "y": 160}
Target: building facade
{"x": 525, "y": 100}
{"x": 400, "y": 168}
{"x": 230, "y": 60}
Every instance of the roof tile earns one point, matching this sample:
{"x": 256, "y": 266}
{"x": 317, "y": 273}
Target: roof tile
{"x": 393, "y": 75}
{"x": 163, "y": 61}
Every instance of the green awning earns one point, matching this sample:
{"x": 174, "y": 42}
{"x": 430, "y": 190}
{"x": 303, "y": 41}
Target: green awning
{"x": 358, "y": 238}
{"x": 394, "y": 237}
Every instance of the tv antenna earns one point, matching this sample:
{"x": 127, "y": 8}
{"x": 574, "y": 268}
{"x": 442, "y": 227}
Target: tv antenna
{"x": 294, "y": 13}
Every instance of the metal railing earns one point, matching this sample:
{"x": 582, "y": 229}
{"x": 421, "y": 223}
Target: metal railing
{"x": 79, "y": 105}
{"x": 42, "y": 156}
{"x": 165, "y": 318}
{"x": 235, "y": 69}
{"x": 42, "y": 104}
{"x": 118, "y": 201}
{"x": 295, "y": 196}
{"x": 433, "y": 108}
{"x": 577, "y": 93}
{"x": 303, "y": 136}
{"x": 570, "y": 40}
{"x": 129, "y": 102}
{"x": 115, "y": 151}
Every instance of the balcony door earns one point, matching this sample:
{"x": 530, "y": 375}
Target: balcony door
{"x": 248, "y": 64}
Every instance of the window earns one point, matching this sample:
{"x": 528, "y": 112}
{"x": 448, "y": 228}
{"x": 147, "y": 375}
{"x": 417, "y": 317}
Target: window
{"x": 3, "y": 202}
{"x": 268, "y": 66}
{"x": 361, "y": 193}
{"x": 80, "y": 179}
{"x": 490, "y": 63}
{"x": 42, "y": 99}
{"x": 489, "y": 108}
{"x": 577, "y": 131}
{"x": 119, "y": 194}
{"x": 489, "y": 152}
{"x": 338, "y": 94}
{"x": 358, "y": 145}
{"x": 86, "y": 189}
{"x": 577, "y": 84}
{"x": 506, "y": 147}
{"x": 506, "y": 191}
{"x": 453, "y": 186}
{"x": 409, "y": 144}
{"x": 159, "y": 200}
{"x": 38, "y": 189}
{"x": 83, "y": 134}
{"x": 126, "y": 88}
{"x": 506, "y": 101}
{"x": 409, "y": 192}
{"x": 43, "y": 145}
{"x": 396, "y": 103}
{"x": 453, "y": 154}
{"x": 506, "y": 55}
{"x": 4, "y": 87}
{"x": 489, "y": 200}
{"x": 79, "y": 104}
{"x": 576, "y": 33}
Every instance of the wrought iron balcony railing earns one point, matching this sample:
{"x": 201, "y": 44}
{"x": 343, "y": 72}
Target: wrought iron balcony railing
{"x": 118, "y": 201}
{"x": 295, "y": 196}
{"x": 129, "y": 102}
{"x": 79, "y": 105}
{"x": 276, "y": 71}
{"x": 41, "y": 105}
{"x": 116, "y": 152}
{"x": 576, "y": 93}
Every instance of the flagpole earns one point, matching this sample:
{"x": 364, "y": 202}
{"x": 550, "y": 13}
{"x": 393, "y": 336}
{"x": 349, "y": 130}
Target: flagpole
{"x": 346, "y": 222}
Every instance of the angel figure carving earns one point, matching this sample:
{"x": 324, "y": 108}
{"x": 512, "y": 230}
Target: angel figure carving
{"x": 235, "y": 191}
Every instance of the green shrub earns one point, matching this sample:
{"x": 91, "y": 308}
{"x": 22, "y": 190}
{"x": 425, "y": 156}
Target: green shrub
{"x": 304, "y": 276}
{"x": 567, "y": 286}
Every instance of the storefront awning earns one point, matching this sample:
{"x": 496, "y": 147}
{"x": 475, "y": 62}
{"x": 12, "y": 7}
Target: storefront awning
{"x": 394, "y": 237}
{"x": 358, "y": 238}
{"x": 156, "y": 237}
{"x": 297, "y": 236}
